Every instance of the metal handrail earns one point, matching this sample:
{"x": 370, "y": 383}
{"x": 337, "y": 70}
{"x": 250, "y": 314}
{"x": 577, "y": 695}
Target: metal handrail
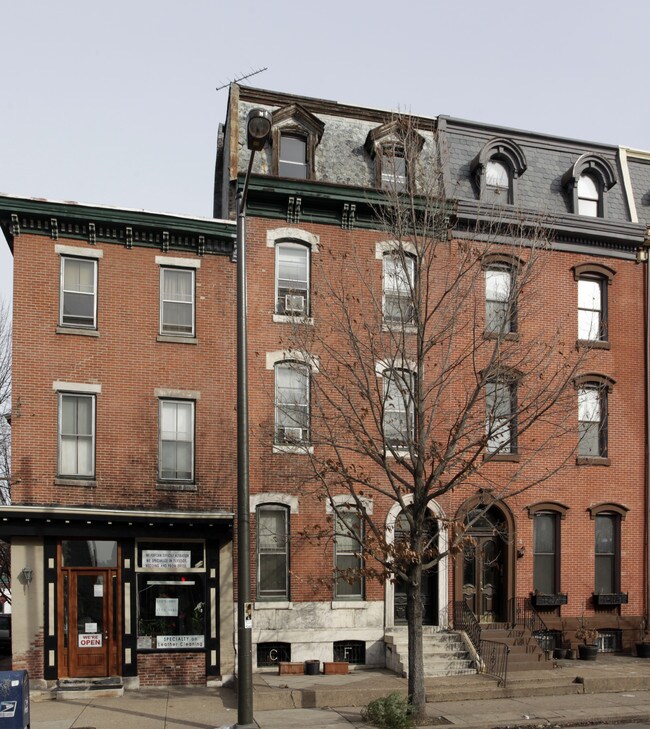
{"x": 523, "y": 613}
{"x": 492, "y": 653}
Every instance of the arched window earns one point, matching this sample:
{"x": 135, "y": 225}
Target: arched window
{"x": 291, "y": 403}
{"x": 588, "y": 196}
{"x": 497, "y": 182}
{"x": 497, "y": 168}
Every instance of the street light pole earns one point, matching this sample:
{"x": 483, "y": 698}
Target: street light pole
{"x": 258, "y": 130}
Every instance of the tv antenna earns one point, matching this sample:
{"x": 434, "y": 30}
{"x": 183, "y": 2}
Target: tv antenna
{"x": 242, "y": 78}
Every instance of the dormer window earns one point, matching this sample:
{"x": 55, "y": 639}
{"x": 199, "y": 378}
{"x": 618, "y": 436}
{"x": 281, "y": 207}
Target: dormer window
{"x": 497, "y": 167}
{"x": 394, "y": 147}
{"x": 587, "y": 182}
{"x": 295, "y": 134}
{"x": 393, "y": 172}
{"x": 293, "y": 157}
{"x": 588, "y": 196}
{"x": 497, "y": 181}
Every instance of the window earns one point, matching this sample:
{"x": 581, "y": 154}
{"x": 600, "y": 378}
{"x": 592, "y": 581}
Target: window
{"x": 176, "y": 457}
{"x": 399, "y": 410}
{"x": 292, "y": 279}
{"x": 501, "y": 406}
{"x": 588, "y": 196}
{"x": 270, "y": 654}
{"x": 500, "y": 311}
{"x": 399, "y": 288}
{"x": 607, "y": 578}
{"x": 78, "y": 292}
{"x": 293, "y": 157}
{"x": 546, "y": 553}
{"x": 177, "y": 301}
{"x": 591, "y": 309}
{"x": 497, "y": 182}
{"x": 76, "y": 435}
{"x": 272, "y": 552}
{"x": 291, "y": 403}
{"x": 394, "y": 172}
{"x": 171, "y": 595}
{"x": 347, "y": 556}
{"x": 592, "y": 420}
{"x": 352, "y": 651}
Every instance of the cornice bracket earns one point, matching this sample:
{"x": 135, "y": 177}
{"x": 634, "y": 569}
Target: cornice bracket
{"x": 92, "y": 234}
{"x": 165, "y": 241}
{"x": 293, "y": 209}
{"x": 15, "y": 225}
{"x": 129, "y": 237}
{"x": 348, "y": 216}
{"x": 200, "y": 249}
{"x": 54, "y": 229}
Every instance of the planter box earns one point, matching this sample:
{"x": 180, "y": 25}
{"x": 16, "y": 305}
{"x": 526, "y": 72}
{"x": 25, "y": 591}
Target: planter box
{"x": 610, "y": 598}
{"x": 335, "y": 668}
{"x": 291, "y": 669}
{"x": 549, "y": 600}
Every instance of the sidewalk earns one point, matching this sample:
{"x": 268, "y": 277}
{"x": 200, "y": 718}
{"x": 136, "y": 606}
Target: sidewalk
{"x": 613, "y": 689}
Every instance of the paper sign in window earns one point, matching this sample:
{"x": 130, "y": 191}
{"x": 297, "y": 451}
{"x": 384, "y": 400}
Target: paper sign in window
{"x": 166, "y": 607}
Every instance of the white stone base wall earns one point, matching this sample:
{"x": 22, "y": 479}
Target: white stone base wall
{"x": 312, "y": 627}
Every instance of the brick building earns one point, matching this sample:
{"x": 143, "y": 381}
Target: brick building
{"x": 123, "y": 413}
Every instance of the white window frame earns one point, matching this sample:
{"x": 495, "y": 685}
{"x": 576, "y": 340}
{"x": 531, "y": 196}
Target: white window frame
{"x": 593, "y": 411}
{"x": 509, "y": 323}
{"x": 288, "y": 245}
{"x": 305, "y": 371}
{"x": 601, "y": 330}
{"x": 405, "y": 290}
{"x": 285, "y": 550}
{"x": 92, "y": 436}
{"x": 291, "y": 163}
{"x": 501, "y": 431}
{"x": 62, "y": 291}
{"x": 407, "y": 412}
{"x": 589, "y": 203}
{"x": 177, "y": 269}
{"x": 343, "y": 529}
{"x": 192, "y": 404}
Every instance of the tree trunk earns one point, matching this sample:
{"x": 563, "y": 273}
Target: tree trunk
{"x": 417, "y": 696}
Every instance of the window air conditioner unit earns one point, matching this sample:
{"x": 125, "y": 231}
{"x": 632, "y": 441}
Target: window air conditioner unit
{"x": 292, "y": 435}
{"x": 294, "y": 304}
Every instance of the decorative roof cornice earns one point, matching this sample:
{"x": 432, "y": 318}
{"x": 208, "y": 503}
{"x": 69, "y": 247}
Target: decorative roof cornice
{"x": 98, "y": 224}
{"x": 355, "y": 207}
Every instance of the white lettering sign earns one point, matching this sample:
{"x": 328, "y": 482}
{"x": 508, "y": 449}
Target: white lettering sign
{"x": 179, "y": 641}
{"x": 167, "y": 607}
{"x": 98, "y": 590}
{"x": 90, "y": 640}
{"x": 166, "y": 559}
{"x": 90, "y": 627}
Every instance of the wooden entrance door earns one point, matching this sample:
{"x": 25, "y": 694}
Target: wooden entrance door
{"x": 92, "y": 629}
{"x": 484, "y": 577}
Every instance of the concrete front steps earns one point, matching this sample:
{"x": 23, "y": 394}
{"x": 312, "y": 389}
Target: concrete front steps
{"x": 443, "y": 650}
{"x": 83, "y": 688}
{"x": 525, "y": 653}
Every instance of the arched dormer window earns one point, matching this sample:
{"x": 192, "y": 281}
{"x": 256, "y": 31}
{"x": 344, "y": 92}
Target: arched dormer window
{"x": 497, "y": 168}
{"x": 587, "y": 181}
{"x": 394, "y": 146}
{"x": 295, "y": 134}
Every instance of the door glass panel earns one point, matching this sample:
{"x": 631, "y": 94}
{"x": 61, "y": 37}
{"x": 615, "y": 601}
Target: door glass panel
{"x": 89, "y": 553}
{"x": 65, "y": 610}
{"x": 90, "y": 610}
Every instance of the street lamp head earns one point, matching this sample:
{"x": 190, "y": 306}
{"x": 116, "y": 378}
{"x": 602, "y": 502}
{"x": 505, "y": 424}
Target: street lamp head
{"x": 258, "y": 128}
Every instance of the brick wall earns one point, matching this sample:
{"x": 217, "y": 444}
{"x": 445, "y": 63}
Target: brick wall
{"x": 171, "y": 669}
{"x": 32, "y": 659}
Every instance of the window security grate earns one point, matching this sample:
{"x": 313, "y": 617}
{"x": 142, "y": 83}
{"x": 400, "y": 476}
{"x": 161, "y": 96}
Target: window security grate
{"x": 352, "y": 651}
{"x": 270, "y": 654}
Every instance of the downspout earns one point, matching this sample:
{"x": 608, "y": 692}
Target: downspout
{"x": 643, "y": 255}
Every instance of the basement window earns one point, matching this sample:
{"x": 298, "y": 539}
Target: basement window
{"x": 352, "y": 651}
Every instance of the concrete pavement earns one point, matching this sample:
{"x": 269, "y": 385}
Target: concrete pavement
{"x": 613, "y": 689}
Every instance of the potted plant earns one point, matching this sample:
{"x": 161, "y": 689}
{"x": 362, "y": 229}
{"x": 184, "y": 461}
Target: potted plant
{"x": 587, "y": 650}
{"x": 643, "y": 646}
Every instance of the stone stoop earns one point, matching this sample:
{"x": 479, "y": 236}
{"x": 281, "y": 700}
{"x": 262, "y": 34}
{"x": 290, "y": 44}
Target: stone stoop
{"x": 525, "y": 652}
{"x": 83, "y": 688}
{"x": 444, "y": 653}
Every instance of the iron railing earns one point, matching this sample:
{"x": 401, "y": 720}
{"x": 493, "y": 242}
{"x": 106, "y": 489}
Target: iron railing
{"x": 522, "y": 612}
{"x": 492, "y": 653}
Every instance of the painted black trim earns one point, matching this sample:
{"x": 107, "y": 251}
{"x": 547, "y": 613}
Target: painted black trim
{"x": 128, "y": 576}
{"x": 50, "y": 642}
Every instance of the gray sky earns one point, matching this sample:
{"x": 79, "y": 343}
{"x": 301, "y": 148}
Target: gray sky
{"x": 115, "y": 103}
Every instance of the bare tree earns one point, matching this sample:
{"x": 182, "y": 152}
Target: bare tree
{"x": 423, "y": 377}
